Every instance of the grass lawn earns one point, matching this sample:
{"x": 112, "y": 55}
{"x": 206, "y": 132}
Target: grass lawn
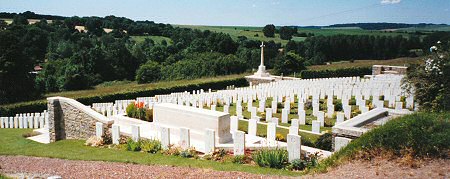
{"x": 367, "y": 63}
{"x": 14, "y": 144}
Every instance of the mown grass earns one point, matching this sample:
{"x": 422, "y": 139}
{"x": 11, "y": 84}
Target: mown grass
{"x": 367, "y": 63}
{"x": 420, "y": 135}
{"x": 14, "y": 144}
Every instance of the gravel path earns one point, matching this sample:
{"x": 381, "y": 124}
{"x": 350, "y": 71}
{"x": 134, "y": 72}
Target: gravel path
{"x": 29, "y": 167}
{"x": 19, "y": 166}
{"x": 382, "y": 168}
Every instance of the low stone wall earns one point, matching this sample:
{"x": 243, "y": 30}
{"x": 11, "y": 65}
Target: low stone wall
{"x": 69, "y": 119}
{"x": 385, "y": 69}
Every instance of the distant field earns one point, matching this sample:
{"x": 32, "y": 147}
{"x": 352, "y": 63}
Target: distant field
{"x": 250, "y": 32}
{"x": 428, "y": 28}
{"x": 367, "y": 63}
{"x": 157, "y": 39}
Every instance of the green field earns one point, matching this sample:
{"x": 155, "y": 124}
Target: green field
{"x": 250, "y": 32}
{"x": 14, "y": 144}
{"x": 367, "y": 63}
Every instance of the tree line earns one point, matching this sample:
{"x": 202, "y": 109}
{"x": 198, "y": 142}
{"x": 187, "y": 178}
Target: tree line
{"x": 73, "y": 60}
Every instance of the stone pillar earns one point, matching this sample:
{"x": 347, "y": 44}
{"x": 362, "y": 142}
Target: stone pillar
{"x": 271, "y": 132}
{"x": 302, "y": 117}
{"x": 321, "y": 118}
{"x": 284, "y": 115}
{"x": 268, "y": 114}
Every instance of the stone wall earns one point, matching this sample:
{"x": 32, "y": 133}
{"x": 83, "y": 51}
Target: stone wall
{"x": 385, "y": 69}
{"x": 69, "y": 119}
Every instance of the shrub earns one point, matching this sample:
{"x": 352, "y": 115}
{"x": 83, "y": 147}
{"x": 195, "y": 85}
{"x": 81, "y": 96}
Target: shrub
{"x": 280, "y": 137}
{"x": 298, "y": 164}
{"x": 172, "y": 150}
{"x": 324, "y": 142}
{"x": 107, "y": 137}
{"x": 133, "y": 145}
{"x": 217, "y": 155}
{"x": 272, "y": 158}
{"x": 338, "y": 105}
{"x": 149, "y": 72}
{"x": 188, "y": 153}
{"x": 239, "y": 159}
{"x": 151, "y": 146}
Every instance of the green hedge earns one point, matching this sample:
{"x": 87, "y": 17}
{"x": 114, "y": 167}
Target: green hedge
{"x": 41, "y": 105}
{"x": 345, "y": 72}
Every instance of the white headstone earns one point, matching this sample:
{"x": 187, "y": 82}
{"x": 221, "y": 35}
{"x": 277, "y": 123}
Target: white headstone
{"x": 11, "y": 122}
{"x": 316, "y": 126}
{"x": 135, "y": 133}
{"x": 99, "y": 129}
{"x": 330, "y": 110}
{"x": 302, "y": 117}
{"x": 253, "y": 112}
{"x": 6, "y": 120}
{"x": 210, "y": 141}
{"x": 293, "y": 129}
{"x": 252, "y": 126}
{"x": 184, "y": 138}
{"x": 213, "y": 107}
{"x": 321, "y": 118}
{"x": 339, "y": 117}
{"x": 274, "y": 107}
{"x": 165, "y": 137}
{"x": 226, "y": 109}
{"x": 2, "y": 122}
{"x": 398, "y": 106}
{"x": 234, "y": 121}
{"x": 16, "y": 122}
{"x": 285, "y": 115}
{"x": 340, "y": 142}
{"x": 239, "y": 143}
{"x": 293, "y": 146}
{"x": 115, "y": 135}
{"x": 271, "y": 132}
{"x": 275, "y": 120}
{"x": 301, "y": 106}
{"x": 268, "y": 114}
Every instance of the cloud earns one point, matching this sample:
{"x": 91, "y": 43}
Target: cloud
{"x": 390, "y": 1}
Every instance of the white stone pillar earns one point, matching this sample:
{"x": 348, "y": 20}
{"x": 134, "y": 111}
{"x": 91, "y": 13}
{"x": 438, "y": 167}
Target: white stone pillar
{"x": 274, "y": 106}
{"x": 294, "y": 146}
{"x": 302, "y": 117}
{"x": 268, "y": 114}
{"x": 271, "y": 132}
{"x": 253, "y": 112}
{"x": 239, "y": 143}
{"x": 210, "y": 141}
{"x": 275, "y": 120}
{"x": 293, "y": 129}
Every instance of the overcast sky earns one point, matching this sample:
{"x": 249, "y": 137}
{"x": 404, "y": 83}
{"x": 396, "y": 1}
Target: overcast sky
{"x": 245, "y": 12}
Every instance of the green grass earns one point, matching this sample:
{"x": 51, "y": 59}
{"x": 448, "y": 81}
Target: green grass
{"x": 424, "y": 134}
{"x": 14, "y": 144}
{"x": 156, "y": 39}
{"x": 367, "y": 63}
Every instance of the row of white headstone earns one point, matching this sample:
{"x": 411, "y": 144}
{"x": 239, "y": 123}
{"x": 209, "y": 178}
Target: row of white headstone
{"x": 25, "y": 120}
{"x": 239, "y": 143}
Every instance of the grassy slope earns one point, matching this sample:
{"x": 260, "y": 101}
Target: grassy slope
{"x": 75, "y": 150}
{"x": 425, "y": 134}
{"x": 366, "y": 63}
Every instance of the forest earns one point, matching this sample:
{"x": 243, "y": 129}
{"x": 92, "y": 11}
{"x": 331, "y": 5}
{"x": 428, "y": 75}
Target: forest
{"x": 74, "y": 59}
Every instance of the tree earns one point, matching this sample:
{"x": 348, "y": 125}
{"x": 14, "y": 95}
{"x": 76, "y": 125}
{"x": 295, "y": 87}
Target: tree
{"x": 3, "y": 25}
{"x": 148, "y": 72}
{"x": 269, "y": 30}
{"x": 430, "y": 81}
{"x": 20, "y": 20}
{"x": 288, "y": 64}
{"x": 286, "y": 32}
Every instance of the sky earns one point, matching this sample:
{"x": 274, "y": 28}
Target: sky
{"x": 245, "y": 12}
